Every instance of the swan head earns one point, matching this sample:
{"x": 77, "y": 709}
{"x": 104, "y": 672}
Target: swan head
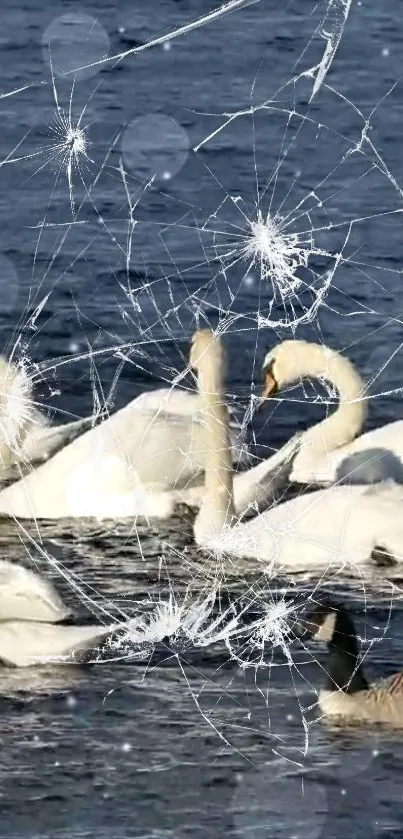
{"x": 206, "y": 351}
{"x": 281, "y": 366}
{"x": 291, "y": 361}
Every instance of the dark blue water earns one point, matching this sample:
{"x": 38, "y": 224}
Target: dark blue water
{"x": 102, "y": 295}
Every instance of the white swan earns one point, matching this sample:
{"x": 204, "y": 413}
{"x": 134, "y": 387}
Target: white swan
{"x": 30, "y": 614}
{"x": 15, "y": 412}
{"x": 339, "y": 526}
{"x": 25, "y": 434}
{"x": 328, "y": 450}
{"x": 142, "y": 461}
{"x": 27, "y": 596}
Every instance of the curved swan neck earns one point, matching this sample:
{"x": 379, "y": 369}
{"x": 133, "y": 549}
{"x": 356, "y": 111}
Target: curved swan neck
{"x": 347, "y": 421}
{"x": 217, "y": 508}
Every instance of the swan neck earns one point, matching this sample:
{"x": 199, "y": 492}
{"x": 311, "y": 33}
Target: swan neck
{"x": 217, "y": 508}
{"x": 347, "y": 421}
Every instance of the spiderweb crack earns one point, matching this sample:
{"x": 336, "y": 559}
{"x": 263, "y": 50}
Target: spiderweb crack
{"x": 268, "y": 250}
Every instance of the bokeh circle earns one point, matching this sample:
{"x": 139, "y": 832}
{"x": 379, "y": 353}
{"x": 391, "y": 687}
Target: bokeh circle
{"x": 155, "y": 146}
{"x": 72, "y": 41}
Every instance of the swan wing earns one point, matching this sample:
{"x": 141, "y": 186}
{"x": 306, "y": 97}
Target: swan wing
{"x": 24, "y": 644}
{"x": 255, "y": 488}
{"x": 170, "y": 424}
{"x": 42, "y": 442}
{"x": 175, "y": 401}
{"x": 26, "y": 595}
{"x": 170, "y": 400}
{"x": 374, "y": 456}
{"x": 129, "y": 464}
{"x": 259, "y": 486}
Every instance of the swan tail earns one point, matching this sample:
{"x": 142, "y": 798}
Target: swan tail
{"x": 25, "y": 595}
{"x": 25, "y": 644}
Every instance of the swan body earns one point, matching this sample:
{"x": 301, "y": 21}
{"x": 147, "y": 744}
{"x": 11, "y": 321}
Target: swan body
{"x": 145, "y": 460}
{"x": 31, "y": 611}
{"x": 139, "y": 461}
{"x": 331, "y": 450}
{"x": 340, "y": 526}
{"x": 376, "y": 705}
{"x": 346, "y": 697}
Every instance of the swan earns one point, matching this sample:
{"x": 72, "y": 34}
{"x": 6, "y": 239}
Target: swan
{"x": 15, "y": 412}
{"x": 328, "y": 451}
{"x": 26, "y": 595}
{"x": 27, "y": 437}
{"x": 145, "y": 460}
{"x": 31, "y": 612}
{"x": 25, "y": 434}
{"x": 342, "y": 526}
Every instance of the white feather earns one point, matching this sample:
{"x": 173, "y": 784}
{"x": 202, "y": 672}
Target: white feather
{"x": 331, "y": 450}
{"x": 26, "y": 595}
{"x": 339, "y": 527}
{"x": 140, "y": 461}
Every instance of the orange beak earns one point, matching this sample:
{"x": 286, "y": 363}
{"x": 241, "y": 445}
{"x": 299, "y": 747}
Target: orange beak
{"x": 270, "y": 387}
